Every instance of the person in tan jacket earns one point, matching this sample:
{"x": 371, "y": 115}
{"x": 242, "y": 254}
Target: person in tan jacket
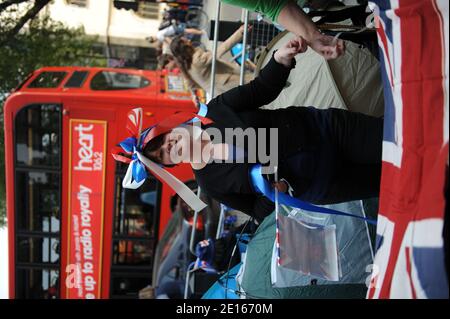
{"x": 195, "y": 63}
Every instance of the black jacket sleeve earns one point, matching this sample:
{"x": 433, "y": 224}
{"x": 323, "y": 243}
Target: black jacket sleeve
{"x": 255, "y": 205}
{"x": 258, "y": 92}
{"x": 299, "y": 186}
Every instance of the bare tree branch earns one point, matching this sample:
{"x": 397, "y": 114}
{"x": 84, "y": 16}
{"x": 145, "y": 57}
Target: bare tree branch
{"x": 30, "y": 14}
{"x": 5, "y": 4}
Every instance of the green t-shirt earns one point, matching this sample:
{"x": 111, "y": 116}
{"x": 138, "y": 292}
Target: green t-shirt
{"x": 270, "y": 8}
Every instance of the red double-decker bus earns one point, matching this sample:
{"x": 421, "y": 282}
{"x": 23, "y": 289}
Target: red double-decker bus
{"x": 74, "y": 231}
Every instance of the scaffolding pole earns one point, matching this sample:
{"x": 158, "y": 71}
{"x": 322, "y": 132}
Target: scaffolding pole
{"x": 216, "y": 38}
{"x": 244, "y": 48}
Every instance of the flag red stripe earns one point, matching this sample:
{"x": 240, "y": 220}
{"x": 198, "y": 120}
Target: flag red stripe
{"x": 422, "y": 96}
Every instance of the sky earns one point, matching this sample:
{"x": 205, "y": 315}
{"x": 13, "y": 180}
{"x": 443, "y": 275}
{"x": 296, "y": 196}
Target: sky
{"x": 3, "y": 263}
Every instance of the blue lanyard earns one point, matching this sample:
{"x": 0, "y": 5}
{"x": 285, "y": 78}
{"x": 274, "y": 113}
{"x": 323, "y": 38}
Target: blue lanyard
{"x": 262, "y": 185}
{"x": 201, "y": 112}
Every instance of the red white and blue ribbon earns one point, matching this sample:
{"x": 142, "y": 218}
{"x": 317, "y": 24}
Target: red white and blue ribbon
{"x": 139, "y": 164}
{"x": 204, "y": 251}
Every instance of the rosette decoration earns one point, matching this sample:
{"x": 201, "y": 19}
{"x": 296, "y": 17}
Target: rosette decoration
{"x": 130, "y": 151}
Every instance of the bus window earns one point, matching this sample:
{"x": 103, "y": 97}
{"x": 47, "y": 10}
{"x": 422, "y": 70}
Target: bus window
{"x": 47, "y": 80}
{"x": 110, "y": 80}
{"x": 37, "y": 249}
{"x": 38, "y": 283}
{"x": 136, "y": 209}
{"x": 77, "y": 79}
{"x": 133, "y": 252}
{"x": 136, "y": 219}
{"x": 37, "y": 135}
{"x": 38, "y": 201}
{"x": 126, "y": 285}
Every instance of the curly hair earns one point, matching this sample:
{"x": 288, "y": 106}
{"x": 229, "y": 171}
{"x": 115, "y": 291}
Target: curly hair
{"x": 183, "y": 51}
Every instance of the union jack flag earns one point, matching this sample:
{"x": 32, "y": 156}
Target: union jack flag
{"x": 413, "y": 39}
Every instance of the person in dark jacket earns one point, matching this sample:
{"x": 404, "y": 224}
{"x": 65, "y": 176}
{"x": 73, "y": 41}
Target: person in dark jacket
{"x": 325, "y": 156}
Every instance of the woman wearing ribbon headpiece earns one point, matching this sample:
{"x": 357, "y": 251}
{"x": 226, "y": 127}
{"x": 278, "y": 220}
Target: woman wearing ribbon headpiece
{"x": 324, "y": 156}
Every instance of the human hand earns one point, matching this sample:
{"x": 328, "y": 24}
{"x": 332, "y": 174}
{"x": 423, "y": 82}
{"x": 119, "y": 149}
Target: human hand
{"x": 280, "y": 186}
{"x": 286, "y": 53}
{"x": 242, "y": 28}
{"x": 147, "y": 293}
{"x": 327, "y": 46}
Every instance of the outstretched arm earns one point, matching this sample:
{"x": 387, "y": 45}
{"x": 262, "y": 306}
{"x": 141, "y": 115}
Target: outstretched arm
{"x": 291, "y": 16}
{"x": 232, "y": 40}
{"x": 269, "y": 83}
{"x": 194, "y": 31}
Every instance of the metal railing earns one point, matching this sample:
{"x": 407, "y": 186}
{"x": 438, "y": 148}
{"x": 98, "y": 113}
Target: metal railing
{"x": 211, "y": 95}
{"x": 244, "y": 48}
{"x": 215, "y": 44}
{"x": 215, "y": 40}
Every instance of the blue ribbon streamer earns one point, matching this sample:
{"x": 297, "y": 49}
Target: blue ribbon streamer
{"x": 139, "y": 172}
{"x": 129, "y": 144}
{"x": 263, "y": 186}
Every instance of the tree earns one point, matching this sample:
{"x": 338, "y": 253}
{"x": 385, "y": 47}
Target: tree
{"x": 41, "y": 42}
{"x": 9, "y": 30}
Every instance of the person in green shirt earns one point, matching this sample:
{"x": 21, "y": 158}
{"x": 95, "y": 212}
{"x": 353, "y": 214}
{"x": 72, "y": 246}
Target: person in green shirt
{"x": 291, "y": 16}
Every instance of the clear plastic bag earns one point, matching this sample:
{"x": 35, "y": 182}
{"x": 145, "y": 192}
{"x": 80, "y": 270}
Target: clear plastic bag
{"x": 307, "y": 247}
{"x": 353, "y": 247}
